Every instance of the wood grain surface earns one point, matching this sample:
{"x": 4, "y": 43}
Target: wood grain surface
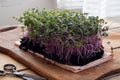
{"x": 6, "y": 59}
{"x": 51, "y": 71}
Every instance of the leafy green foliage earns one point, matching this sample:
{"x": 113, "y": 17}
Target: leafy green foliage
{"x": 63, "y": 26}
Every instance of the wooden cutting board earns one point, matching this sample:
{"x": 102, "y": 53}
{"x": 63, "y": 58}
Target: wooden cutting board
{"x": 51, "y": 71}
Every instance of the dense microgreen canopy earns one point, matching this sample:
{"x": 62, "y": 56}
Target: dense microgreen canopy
{"x": 63, "y": 26}
{"x": 64, "y": 33}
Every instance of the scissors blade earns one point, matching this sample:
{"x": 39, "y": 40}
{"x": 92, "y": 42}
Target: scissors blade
{"x": 28, "y": 76}
{"x": 31, "y": 77}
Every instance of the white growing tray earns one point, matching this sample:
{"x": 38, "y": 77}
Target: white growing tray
{"x": 106, "y": 57}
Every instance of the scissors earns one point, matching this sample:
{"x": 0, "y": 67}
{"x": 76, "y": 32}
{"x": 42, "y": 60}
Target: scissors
{"x": 10, "y": 69}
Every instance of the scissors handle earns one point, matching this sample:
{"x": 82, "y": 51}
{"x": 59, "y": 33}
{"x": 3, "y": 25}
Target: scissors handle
{"x": 9, "y": 67}
{"x": 2, "y": 73}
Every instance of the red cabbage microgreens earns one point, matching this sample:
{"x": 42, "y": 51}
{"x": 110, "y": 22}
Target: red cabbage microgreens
{"x": 65, "y": 32}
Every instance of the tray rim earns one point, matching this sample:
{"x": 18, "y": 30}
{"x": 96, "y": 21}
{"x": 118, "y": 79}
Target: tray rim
{"x": 75, "y": 69}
